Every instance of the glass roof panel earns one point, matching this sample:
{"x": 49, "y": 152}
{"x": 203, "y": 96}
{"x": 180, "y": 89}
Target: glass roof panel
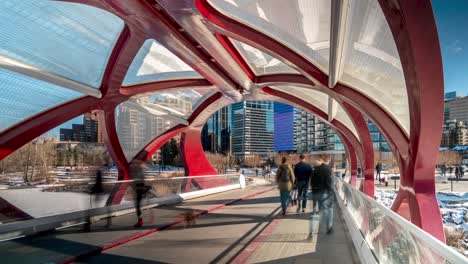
{"x": 319, "y": 100}
{"x": 371, "y": 61}
{"x": 154, "y": 62}
{"x": 344, "y": 118}
{"x": 303, "y": 25}
{"x": 22, "y": 97}
{"x": 143, "y": 118}
{"x": 260, "y": 62}
{"x": 67, "y": 39}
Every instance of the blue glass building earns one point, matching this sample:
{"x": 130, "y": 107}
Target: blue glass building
{"x": 284, "y": 127}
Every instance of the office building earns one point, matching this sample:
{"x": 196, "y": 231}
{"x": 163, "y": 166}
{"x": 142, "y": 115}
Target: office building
{"x": 216, "y": 132}
{"x": 252, "y": 128}
{"x": 456, "y": 109}
{"x": 284, "y": 140}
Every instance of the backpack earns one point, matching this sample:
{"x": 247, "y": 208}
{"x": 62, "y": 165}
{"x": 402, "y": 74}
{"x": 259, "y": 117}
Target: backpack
{"x": 285, "y": 175}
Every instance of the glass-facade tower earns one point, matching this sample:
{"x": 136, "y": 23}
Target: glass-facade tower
{"x": 252, "y": 128}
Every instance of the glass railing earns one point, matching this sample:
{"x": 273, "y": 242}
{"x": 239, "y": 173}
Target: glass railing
{"x": 390, "y": 237}
{"x": 73, "y": 194}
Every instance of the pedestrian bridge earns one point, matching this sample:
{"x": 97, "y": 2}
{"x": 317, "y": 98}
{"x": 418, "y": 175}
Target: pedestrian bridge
{"x": 233, "y": 225}
{"x": 153, "y": 69}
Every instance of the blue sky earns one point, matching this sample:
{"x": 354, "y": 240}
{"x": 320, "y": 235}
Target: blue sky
{"x": 452, "y": 25}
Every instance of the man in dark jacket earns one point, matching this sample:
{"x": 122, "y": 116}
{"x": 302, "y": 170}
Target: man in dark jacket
{"x": 378, "y": 169}
{"x": 302, "y": 171}
{"x": 322, "y": 189}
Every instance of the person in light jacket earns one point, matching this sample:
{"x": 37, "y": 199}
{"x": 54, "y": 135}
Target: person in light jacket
{"x": 285, "y": 179}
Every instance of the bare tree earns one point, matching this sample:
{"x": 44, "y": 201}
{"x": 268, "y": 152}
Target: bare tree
{"x": 252, "y": 161}
{"x": 449, "y": 157}
{"x": 218, "y": 161}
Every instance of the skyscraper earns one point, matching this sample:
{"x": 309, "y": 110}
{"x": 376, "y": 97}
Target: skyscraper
{"x": 284, "y": 127}
{"x": 216, "y": 132}
{"x": 252, "y": 128}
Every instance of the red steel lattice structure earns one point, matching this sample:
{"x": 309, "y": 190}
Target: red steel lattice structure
{"x": 201, "y": 36}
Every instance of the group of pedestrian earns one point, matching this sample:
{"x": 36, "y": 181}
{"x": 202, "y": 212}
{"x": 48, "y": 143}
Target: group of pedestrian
{"x": 459, "y": 171}
{"x": 319, "y": 178}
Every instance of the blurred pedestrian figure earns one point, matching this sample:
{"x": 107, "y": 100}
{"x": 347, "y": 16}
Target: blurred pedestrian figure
{"x": 285, "y": 179}
{"x": 256, "y": 172}
{"x": 443, "y": 170}
{"x": 96, "y": 195}
{"x": 457, "y": 172}
{"x": 378, "y": 169}
{"x": 462, "y": 171}
{"x": 322, "y": 182}
{"x": 137, "y": 174}
{"x": 302, "y": 171}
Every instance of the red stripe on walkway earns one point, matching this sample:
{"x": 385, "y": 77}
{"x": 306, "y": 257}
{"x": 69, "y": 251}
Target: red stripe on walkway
{"x": 244, "y": 256}
{"x": 126, "y": 239}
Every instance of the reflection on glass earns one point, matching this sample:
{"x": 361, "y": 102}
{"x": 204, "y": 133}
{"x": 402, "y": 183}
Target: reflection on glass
{"x": 260, "y": 62}
{"x": 371, "y": 60}
{"x": 390, "y": 241}
{"x": 154, "y": 62}
{"x": 143, "y": 118}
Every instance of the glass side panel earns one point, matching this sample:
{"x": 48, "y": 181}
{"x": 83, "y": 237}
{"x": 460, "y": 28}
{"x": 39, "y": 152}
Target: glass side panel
{"x": 22, "y": 97}
{"x": 154, "y": 62}
{"x": 317, "y": 99}
{"x": 67, "y": 39}
{"x": 371, "y": 61}
{"x": 143, "y": 118}
{"x": 260, "y": 62}
{"x": 389, "y": 237}
{"x": 303, "y": 25}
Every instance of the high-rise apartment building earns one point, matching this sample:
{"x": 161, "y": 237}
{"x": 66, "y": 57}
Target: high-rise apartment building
{"x": 89, "y": 131}
{"x": 143, "y": 119}
{"x": 455, "y": 133}
{"x": 252, "y": 128}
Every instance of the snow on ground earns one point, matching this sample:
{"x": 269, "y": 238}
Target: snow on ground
{"x": 453, "y": 208}
{"x": 37, "y": 203}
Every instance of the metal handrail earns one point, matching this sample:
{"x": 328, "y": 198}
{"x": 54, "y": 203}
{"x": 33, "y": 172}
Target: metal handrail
{"x": 122, "y": 181}
{"x": 442, "y": 249}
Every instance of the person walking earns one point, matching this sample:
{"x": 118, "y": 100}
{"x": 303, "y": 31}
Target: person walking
{"x": 302, "y": 171}
{"x": 285, "y": 179}
{"x": 378, "y": 169}
{"x": 457, "y": 172}
{"x": 96, "y": 195}
{"x": 322, "y": 182}
{"x": 443, "y": 170}
{"x": 137, "y": 173}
